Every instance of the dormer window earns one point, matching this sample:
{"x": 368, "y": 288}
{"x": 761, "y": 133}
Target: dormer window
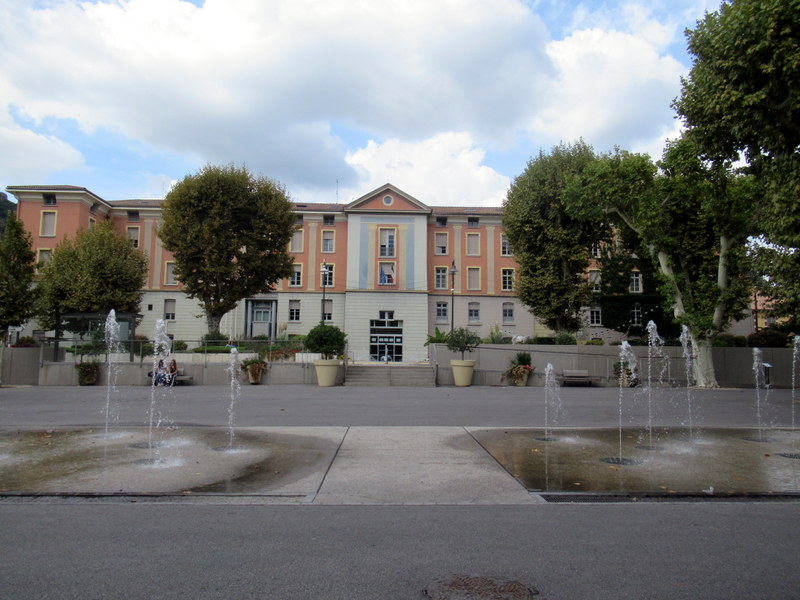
{"x": 133, "y": 216}
{"x": 441, "y": 221}
{"x": 472, "y": 222}
{"x": 49, "y": 199}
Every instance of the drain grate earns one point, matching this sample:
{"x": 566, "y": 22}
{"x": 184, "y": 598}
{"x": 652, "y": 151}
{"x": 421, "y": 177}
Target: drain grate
{"x": 474, "y": 587}
{"x": 575, "y": 498}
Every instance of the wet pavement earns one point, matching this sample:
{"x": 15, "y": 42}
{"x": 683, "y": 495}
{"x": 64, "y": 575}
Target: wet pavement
{"x": 374, "y": 463}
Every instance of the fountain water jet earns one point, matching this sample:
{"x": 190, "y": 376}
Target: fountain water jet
{"x": 112, "y": 346}
{"x": 234, "y": 369}
{"x": 686, "y": 344}
{"x": 627, "y": 361}
{"x": 759, "y": 378}
{"x": 655, "y": 351}
{"x": 162, "y": 346}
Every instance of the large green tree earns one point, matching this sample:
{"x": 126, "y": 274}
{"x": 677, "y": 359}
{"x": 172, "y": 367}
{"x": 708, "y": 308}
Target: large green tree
{"x": 17, "y": 270}
{"x": 229, "y": 232}
{"x": 694, "y": 217}
{"x": 551, "y": 246}
{"x": 93, "y": 273}
{"x": 742, "y": 95}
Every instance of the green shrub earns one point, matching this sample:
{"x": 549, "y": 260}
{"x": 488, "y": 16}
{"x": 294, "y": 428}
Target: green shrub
{"x": 214, "y": 338}
{"x": 546, "y": 340}
{"x": 179, "y": 346}
{"x": 25, "y": 342}
{"x": 726, "y": 340}
{"x": 565, "y": 339}
{"x": 595, "y": 342}
{"x": 462, "y": 340}
{"x": 328, "y": 340}
{"x": 767, "y": 338}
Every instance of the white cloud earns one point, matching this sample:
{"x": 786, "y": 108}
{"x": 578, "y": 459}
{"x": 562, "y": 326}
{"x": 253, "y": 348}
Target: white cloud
{"x": 613, "y": 88}
{"x": 444, "y": 170}
{"x": 29, "y": 157}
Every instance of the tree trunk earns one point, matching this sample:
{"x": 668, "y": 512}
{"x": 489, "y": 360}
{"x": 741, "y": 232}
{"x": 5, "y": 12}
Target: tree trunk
{"x": 704, "y": 375}
{"x": 212, "y": 322}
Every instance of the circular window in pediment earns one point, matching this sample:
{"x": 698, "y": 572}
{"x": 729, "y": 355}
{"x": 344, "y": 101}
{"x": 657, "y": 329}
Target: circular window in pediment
{"x": 387, "y": 200}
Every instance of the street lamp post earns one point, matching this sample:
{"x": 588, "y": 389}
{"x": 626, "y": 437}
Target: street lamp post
{"x": 324, "y": 272}
{"x": 453, "y": 273}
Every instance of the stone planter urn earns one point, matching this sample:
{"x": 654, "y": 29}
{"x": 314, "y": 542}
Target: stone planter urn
{"x": 462, "y": 372}
{"x": 326, "y": 369}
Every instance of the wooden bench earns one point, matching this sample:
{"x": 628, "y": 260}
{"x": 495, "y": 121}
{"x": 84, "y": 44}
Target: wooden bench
{"x": 577, "y": 377}
{"x": 180, "y": 379}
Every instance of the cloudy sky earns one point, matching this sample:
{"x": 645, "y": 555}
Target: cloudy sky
{"x": 446, "y": 99}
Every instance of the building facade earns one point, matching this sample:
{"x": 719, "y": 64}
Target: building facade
{"x": 386, "y": 268}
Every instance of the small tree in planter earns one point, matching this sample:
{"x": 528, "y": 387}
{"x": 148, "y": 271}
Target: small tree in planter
{"x": 255, "y": 369}
{"x": 329, "y": 341}
{"x": 462, "y": 340}
{"x": 88, "y": 372}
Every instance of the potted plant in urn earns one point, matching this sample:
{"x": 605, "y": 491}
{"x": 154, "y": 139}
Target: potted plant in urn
{"x": 255, "y": 369}
{"x": 329, "y": 341}
{"x": 519, "y": 369}
{"x": 88, "y": 372}
{"x": 462, "y": 340}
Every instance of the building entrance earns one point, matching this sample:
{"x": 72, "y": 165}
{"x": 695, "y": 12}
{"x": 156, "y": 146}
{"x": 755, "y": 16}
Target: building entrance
{"x": 386, "y": 338}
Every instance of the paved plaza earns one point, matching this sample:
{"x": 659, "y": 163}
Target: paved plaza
{"x": 371, "y": 493}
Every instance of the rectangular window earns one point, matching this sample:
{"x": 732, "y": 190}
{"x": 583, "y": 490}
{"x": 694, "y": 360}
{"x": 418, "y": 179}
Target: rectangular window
{"x": 133, "y": 235}
{"x": 169, "y": 310}
{"x": 473, "y": 278}
{"x": 473, "y": 222}
{"x": 595, "y": 316}
{"x": 133, "y": 216}
{"x": 636, "y": 282}
{"x": 441, "y": 221}
{"x": 44, "y": 255}
{"x": 326, "y": 278}
{"x": 386, "y": 273}
{"x": 507, "y": 280}
{"x": 387, "y": 243}
{"x": 328, "y": 219}
{"x": 92, "y": 222}
{"x": 296, "y": 279}
{"x": 49, "y": 199}
{"x": 474, "y": 313}
{"x": 298, "y": 220}
{"x": 636, "y": 314}
{"x": 594, "y": 280}
{"x": 473, "y": 244}
{"x": 327, "y": 310}
{"x": 440, "y": 244}
{"x": 441, "y": 312}
{"x": 296, "y": 245}
{"x": 595, "y": 251}
{"x": 327, "y": 241}
{"x": 47, "y": 227}
{"x": 440, "y": 278}
{"x": 294, "y": 310}
{"x": 169, "y": 274}
{"x": 505, "y": 246}
{"x": 508, "y": 312}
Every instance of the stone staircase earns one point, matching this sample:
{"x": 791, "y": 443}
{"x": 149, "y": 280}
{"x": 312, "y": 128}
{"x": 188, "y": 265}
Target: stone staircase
{"x": 390, "y": 375}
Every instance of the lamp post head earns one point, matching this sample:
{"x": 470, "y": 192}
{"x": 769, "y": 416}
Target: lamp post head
{"x": 453, "y": 269}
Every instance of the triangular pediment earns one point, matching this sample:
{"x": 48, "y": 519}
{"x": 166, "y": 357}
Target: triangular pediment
{"x": 387, "y": 198}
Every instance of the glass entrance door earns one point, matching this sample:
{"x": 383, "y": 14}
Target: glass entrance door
{"x": 386, "y": 338}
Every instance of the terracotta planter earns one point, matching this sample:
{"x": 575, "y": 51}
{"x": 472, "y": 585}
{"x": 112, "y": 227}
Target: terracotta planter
{"x": 327, "y": 369}
{"x": 462, "y": 372}
{"x": 254, "y": 375}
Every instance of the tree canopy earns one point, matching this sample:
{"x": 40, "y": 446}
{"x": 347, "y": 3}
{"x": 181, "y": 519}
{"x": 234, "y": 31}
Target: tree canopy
{"x": 17, "y": 270}
{"x": 743, "y": 96}
{"x": 93, "y": 273}
{"x": 229, "y": 232}
{"x": 550, "y": 245}
{"x": 694, "y": 217}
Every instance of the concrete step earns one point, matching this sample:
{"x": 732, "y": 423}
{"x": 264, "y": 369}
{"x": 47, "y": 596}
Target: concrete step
{"x": 390, "y": 375}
